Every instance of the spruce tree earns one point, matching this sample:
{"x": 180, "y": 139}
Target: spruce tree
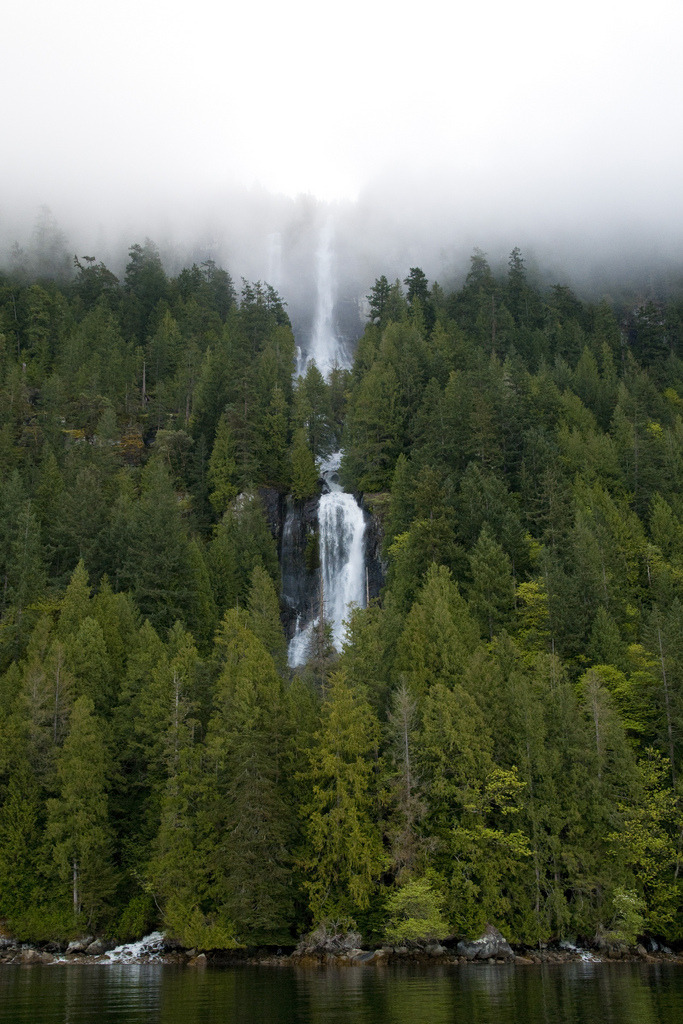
{"x": 343, "y": 856}
{"x": 78, "y": 824}
{"x": 248, "y": 848}
{"x": 222, "y": 471}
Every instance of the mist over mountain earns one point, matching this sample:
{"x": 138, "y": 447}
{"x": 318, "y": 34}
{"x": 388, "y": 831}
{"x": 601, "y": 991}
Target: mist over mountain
{"x": 595, "y": 246}
{"x": 237, "y": 135}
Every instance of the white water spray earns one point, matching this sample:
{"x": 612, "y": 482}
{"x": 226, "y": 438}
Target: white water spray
{"x": 340, "y": 519}
{"x": 325, "y": 346}
{"x": 342, "y": 563}
{"x": 150, "y": 947}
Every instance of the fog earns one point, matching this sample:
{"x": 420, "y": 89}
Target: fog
{"x": 422, "y": 133}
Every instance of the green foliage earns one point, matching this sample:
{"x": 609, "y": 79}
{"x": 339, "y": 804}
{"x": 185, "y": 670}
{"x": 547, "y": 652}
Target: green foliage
{"x": 241, "y": 542}
{"x": 503, "y": 730}
{"x": 194, "y": 930}
{"x": 492, "y": 589}
{"x": 415, "y": 912}
{"x": 439, "y": 634}
{"x": 304, "y": 471}
{"x": 251, "y": 824}
{"x": 646, "y": 844}
{"x": 343, "y": 855}
{"x": 629, "y": 916}
{"x": 222, "y": 472}
{"x": 264, "y": 617}
{"x": 78, "y": 826}
{"x": 137, "y": 919}
{"x": 157, "y": 567}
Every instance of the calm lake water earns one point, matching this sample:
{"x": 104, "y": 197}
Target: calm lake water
{"x": 570, "y": 994}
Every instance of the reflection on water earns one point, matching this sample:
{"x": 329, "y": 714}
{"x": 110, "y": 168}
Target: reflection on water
{"x": 578, "y": 993}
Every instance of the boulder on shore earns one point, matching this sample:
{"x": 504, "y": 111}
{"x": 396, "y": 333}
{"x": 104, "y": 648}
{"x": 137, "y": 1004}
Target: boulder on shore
{"x": 34, "y": 956}
{"x": 98, "y": 947}
{"x": 329, "y": 943}
{"x": 491, "y": 945}
{"x": 80, "y": 945}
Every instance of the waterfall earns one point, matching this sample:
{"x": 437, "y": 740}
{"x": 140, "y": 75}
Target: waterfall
{"x": 342, "y": 556}
{"x": 325, "y": 345}
{"x": 342, "y": 562}
{"x": 341, "y": 523}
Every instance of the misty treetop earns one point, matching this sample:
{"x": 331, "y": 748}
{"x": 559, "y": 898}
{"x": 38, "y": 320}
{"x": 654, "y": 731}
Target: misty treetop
{"x": 500, "y": 739}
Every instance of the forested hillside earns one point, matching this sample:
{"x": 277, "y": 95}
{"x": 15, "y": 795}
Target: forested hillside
{"x": 500, "y": 739}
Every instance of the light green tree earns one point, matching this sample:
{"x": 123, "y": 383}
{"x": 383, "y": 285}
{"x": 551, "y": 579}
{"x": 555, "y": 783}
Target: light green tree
{"x": 416, "y": 911}
{"x": 343, "y": 855}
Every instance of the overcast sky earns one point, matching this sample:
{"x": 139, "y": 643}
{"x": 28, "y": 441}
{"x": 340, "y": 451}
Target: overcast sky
{"x": 565, "y": 115}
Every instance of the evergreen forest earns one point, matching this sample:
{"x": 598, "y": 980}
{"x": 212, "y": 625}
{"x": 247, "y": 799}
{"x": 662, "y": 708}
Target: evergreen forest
{"x": 501, "y": 738}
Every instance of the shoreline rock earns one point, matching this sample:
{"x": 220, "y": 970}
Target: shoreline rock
{"x": 324, "y": 949}
{"x": 491, "y": 946}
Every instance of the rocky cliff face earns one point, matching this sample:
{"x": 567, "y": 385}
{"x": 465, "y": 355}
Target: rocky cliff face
{"x": 299, "y": 563}
{"x": 274, "y": 510}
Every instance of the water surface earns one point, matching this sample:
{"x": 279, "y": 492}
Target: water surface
{"x": 160, "y": 994}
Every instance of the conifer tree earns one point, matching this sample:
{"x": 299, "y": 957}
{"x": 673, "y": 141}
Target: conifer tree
{"x": 304, "y": 471}
{"x": 401, "y": 506}
{"x": 408, "y": 803}
{"x": 25, "y": 577}
{"x": 273, "y": 448}
{"x": 21, "y": 835}
{"x": 88, "y": 662}
{"x": 343, "y": 855}
{"x": 76, "y": 602}
{"x": 439, "y": 635}
{"x": 222, "y": 471}
{"x": 263, "y": 608}
{"x": 491, "y": 592}
{"x": 248, "y": 848}
{"x": 202, "y": 614}
{"x": 156, "y": 566}
{"x": 78, "y": 824}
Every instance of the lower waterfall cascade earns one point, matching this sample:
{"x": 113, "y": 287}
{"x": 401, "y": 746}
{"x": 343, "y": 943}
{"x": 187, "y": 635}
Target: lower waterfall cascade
{"x": 342, "y": 562}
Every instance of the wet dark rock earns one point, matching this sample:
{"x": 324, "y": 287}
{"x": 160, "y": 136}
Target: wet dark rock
{"x": 300, "y": 590}
{"x": 366, "y": 956}
{"x": 54, "y": 946}
{"x": 273, "y": 508}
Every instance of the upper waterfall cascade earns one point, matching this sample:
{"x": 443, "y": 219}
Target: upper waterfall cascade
{"x": 325, "y": 346}
{"x": 341, "y": 522}
{"x": 342, "y": 562}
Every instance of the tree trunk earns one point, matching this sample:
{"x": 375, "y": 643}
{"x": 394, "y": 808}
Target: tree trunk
{"x": 77, "y": 901}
